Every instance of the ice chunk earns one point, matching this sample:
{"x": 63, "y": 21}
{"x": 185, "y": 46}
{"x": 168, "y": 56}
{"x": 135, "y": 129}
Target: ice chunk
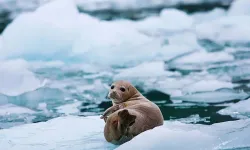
{"x": 176, "y": 19}
{"x": 209, "y": 16}
{"x": 86, "y": 21}
{"x": 164, "y": 138}
{"x": 169, "y": 21}
{"x": 15, "y": 79}
{"x": 149, "y": 69}
{"x": 69, "y": 108}
{"x": 228, "y": 29}
{"x": 207, "y": 85}
{"x": 47, "y": 33}
{"x": 239, "y": 7}
{"x": 121, "y": 5}
{"x": 203, "y": 57}
{"x": 61, "y": 133}
{"x": 239, "y": 110}
{"x": 233, "y": 134}
{"x": 169, "y": 85}
{"x": 187, "y": 39}
{"x": 175, "y": 135}
{"x": 119, "y": 46}
{"x": 218, "y": 96}
{"x": 87, "y": 133}
{"x": 1, "y": 45}
{"x": 10, "y": 109}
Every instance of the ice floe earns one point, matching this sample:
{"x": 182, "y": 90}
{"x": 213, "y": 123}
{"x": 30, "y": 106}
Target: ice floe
{"x": 16, "y": 79}
{"x": 69, "y": 108}
{"x": 213, "y": 97}
{"x": 209, "y": 16}
{"x": 239, "y": 7}
{"x": 229, "y": 29}
{"x": 239, "y": 110}
{"x": 87, "y": 133}
{"x": 169, "y": 21}
{"x": 62, "y": 133}
{"x": 204, "y": 58}
{"x": 144, "y": 70}
{"x": 118, "y": 47}
{"x": 207, "y": 85}
{"x": 10, "y": 109}
{"x": 44, "y": 34}
{"x": 120, "y": 5}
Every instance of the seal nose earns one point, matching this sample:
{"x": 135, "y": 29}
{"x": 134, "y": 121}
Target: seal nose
{"x": 113, "y": 93}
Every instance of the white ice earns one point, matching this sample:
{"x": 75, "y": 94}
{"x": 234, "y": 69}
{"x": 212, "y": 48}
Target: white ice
{"x": 239, "y": 110}
{"x": 214, "y": 14}
{"x": 16, "y": 79}
{"x": 69, "y": 108}
{"x": 75, "y": 133}
{"x": 207, "y": 85}
{"x": 46, "y": 33}
{"x": 175, "y": 135}
{"x": 57, "y": 31}
{"x": 61, "y": 133}
{"x": 203, "y": 57}
{"x": 10, "y": 109}
{"x": 239, "y": 7}
{"x": 233, "y": 29}
{"x": 218, "y": 96}
{"x": 119, "y": 5}
{"x": 169, "y": 21}
{"x": 144, "y": 70}
{"x": 118, "y": 45}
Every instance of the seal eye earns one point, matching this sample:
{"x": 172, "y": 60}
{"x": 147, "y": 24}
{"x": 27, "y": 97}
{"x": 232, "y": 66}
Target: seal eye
{"x": 122, "y": 89}
{"x": 112, "y": 87}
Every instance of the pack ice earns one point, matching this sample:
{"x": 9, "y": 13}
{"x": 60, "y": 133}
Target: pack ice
{"x": 76, "y": 133}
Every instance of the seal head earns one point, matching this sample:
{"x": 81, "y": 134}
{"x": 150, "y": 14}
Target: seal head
{"x": 122, "y": 91}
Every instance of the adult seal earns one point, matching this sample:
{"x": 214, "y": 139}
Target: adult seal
{"x": 130, "y": 115}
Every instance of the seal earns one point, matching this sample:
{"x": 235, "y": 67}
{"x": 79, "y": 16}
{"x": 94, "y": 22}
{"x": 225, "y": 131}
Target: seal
{"x": 131, "y": 113}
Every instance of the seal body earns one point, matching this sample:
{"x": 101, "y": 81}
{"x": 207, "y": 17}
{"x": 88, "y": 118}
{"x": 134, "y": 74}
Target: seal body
{"x": 130, "y": 115}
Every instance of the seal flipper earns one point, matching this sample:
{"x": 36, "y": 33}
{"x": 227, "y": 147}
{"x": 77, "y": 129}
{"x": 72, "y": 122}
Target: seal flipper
{"x": 126, "y": 120}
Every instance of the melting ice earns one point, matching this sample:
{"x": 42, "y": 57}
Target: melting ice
{"x": 56, "y": 61}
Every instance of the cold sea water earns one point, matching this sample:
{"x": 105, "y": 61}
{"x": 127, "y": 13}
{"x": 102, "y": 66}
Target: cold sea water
{"x": 58, "y": 59}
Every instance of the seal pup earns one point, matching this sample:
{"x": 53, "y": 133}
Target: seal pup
{"x": 128, "y": 100}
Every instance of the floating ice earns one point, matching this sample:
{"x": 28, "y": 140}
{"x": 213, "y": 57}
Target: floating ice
{"x": 1, "y": 45}
{"x": 207, "y": 85}
{"x": 46, "y": 33}
{"x": 203, "y": 57}
{"x": 209, "y": 16}
{"x": 169, "y": 21}
{"x": 87, "y": 133}
{"x": 120, "y": 5}
{"x": 239, "y": 7}
{"x": 175, "y": 135}
{"x": 10, "y": 109}
{"x": 165, "y": 138}
{"x": 151, "y": 69}
{"x": 239, "y": 110}
{"x": 228, "y": 29}
{"x": 69, "y": 108}
{"x": 15, "y": 79}
{"x": 61, "y": 133}
{"x": 119, "y": 46}
{"x": 218, "y": 96}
